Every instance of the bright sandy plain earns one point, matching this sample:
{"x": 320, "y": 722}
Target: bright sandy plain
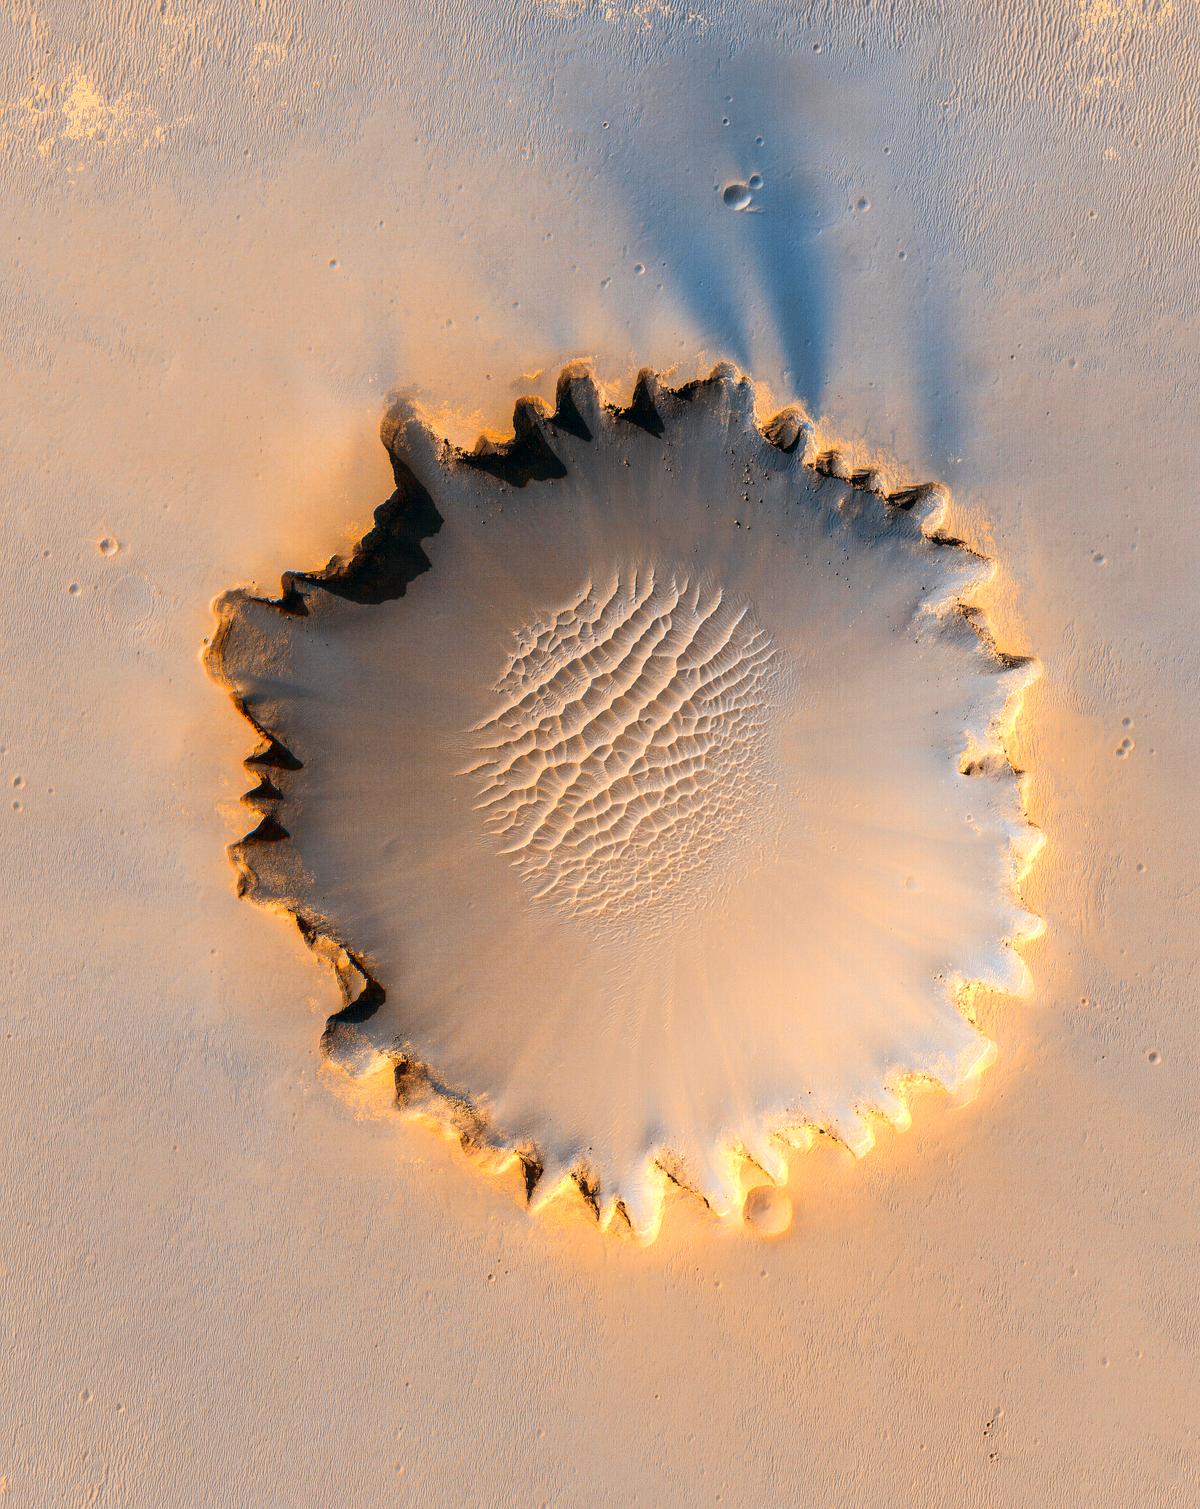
{"x": 228, "y": 234}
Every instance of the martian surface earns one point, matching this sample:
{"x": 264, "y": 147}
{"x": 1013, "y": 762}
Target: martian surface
{"x": 597, "y": 716}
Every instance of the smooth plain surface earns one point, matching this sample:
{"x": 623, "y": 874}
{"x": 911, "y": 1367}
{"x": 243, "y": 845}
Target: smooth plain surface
{"x": 227, "y": 235}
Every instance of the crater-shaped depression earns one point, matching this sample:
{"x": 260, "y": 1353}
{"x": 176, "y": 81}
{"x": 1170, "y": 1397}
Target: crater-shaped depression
{"x": 643, "y": 780}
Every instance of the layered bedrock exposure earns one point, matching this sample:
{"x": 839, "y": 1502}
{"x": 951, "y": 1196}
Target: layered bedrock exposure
{"x": 643, "y": 780}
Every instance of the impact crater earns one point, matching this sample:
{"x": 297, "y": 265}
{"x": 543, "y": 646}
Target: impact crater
{"x": 644, "y": 781}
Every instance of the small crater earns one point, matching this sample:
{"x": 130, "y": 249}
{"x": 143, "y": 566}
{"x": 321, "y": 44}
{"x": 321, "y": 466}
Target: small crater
{"x": 1124, "y": 749}
{"x": 767, "y": 1211}
{"x": 127, "y": 599}
{"x": 107, "y": 546}
{"x": 737, "y": 196}
{"x": 1154, "y": 1057}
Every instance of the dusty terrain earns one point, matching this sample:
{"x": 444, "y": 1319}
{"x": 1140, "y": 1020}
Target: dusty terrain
{"x": 227, "y": 237}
